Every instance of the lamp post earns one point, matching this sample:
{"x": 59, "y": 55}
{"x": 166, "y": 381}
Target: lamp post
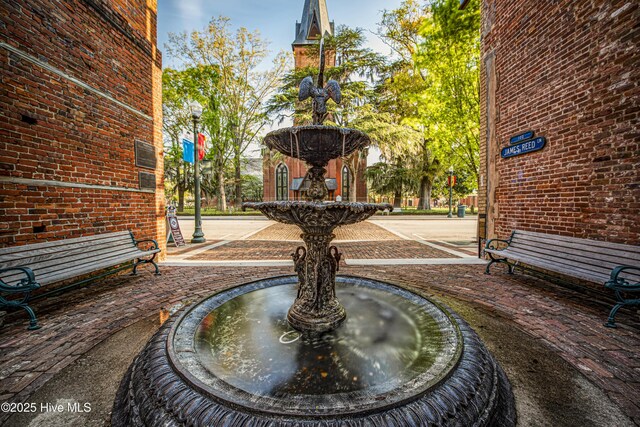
{"x": 450, "y": 191}
{"x": 196, "y": 112}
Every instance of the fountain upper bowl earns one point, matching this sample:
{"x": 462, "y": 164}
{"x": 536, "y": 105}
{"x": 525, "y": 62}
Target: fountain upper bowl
{"x": 316, "y": 144}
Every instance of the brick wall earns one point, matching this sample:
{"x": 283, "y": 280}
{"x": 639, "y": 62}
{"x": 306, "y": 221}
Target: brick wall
{"x": 569, "y": 71}
{"x": 79, "y": 84}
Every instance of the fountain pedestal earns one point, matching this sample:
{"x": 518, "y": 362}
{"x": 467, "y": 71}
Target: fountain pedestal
{"x": 316, "y": 307}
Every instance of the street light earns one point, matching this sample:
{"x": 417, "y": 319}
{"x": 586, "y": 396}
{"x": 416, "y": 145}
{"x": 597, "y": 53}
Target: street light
{"x": 196, "y": 112}
{"x": 450, "y": 191}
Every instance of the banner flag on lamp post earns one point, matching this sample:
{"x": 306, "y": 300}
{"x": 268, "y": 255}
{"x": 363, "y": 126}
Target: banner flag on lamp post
{"x": 201, "y": 141}
{"x": 187, "y": 151}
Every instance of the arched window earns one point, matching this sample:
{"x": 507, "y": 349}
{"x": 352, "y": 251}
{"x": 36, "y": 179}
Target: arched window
{"x": 282, "y": 182}
{"x": 346, "y": 183}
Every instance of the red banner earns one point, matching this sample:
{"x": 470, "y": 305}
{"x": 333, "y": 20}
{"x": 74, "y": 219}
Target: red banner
{"x": 451, "y": 180}
{"x": 201, "y": 140}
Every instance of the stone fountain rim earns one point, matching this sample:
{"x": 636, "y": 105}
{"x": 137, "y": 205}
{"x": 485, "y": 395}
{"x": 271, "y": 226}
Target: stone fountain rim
{"x": 228, "y": 399}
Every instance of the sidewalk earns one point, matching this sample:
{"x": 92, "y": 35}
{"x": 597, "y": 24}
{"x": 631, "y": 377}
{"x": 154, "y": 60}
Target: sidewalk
{"x": 566, "y": 323}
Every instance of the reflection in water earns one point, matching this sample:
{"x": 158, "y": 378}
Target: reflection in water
{"x": 386, "y": 341}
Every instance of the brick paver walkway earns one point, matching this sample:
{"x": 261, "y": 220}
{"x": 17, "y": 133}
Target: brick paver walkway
{"x": 279, "y": 250}
{"x": 568, "y": 322}
{"x": 360, "y": 231}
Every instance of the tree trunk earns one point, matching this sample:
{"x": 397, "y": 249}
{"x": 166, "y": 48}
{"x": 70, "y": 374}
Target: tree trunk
{"x": 397, "y": 199}
{"x": 222, "y": 197}
{"x": 425, "y": 194}
{"x": 238, "y": 179}
{"x": 180, "y": 178}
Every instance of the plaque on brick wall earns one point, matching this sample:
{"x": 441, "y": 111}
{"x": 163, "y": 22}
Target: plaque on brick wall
{"x": 147, "y": 181}
{"x": 145, "y": 155}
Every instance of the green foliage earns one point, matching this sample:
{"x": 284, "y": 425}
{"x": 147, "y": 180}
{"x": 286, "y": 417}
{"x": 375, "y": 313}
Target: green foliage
{"x": 393, "y": 180}
{"x": 226, "y": 79}
{"x": 449, "y": 106}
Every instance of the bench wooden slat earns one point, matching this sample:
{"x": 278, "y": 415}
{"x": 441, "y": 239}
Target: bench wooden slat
{"x": 51, "y": 268}
{"x": 569, "y": 259}
{"x": 62, "y": 242}
{"x": 60, "y": 257}
{"x": 576, "y": 255}
{"x": 82, "y": 269}
{"x": 126, "y": 255}
{"x": 586, "y": 250}
{"x": 576, "y": 240}
{"x": 580, "y": 273}
{"x": 575, "y": 270}
{"x": 597, "y": 273}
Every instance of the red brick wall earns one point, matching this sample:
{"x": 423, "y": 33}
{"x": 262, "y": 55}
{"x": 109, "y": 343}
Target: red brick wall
{"x": 81, "y": 136}
{"x": 570, "y": 71}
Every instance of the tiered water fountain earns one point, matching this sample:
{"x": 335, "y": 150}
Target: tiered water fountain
{"x": 362, "y": 353}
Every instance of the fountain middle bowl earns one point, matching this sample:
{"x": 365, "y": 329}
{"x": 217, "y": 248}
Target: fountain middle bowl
{"x": 316, "y": 144}
{"x": 315, "y": 217}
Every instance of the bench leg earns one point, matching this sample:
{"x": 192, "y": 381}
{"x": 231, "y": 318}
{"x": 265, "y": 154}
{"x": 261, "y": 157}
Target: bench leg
{"x": 611, "y": 321}
{"x": 157, "y": 273}
{"x": 486, "y": 271}
{"x": 145, "y": 261}
{"x": 23, "y": 304}
{"x": 510, "y": 266}
{"x": 33, "y": 321}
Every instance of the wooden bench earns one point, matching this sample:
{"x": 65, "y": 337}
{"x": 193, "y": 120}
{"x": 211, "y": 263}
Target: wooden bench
{"x": 617, "y": 266}
{"x": 23, "y": 269}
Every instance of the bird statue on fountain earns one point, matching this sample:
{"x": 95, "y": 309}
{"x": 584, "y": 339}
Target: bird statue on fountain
{"x": 320, "y": 94}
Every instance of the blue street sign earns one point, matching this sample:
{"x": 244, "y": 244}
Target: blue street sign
{"x": 187, "y": 151}
{"x": 521, "y": 137}
{"x": 524, "y": 147}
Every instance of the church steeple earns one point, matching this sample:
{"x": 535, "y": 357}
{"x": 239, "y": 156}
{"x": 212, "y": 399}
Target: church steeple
{"x": 314, "y": 24}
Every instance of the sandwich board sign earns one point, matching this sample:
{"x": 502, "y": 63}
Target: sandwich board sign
{"x": 175, "y": 235}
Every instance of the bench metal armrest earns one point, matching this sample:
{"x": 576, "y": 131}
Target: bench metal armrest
{"x": 490, "y": 245}
{"x": 26, "y": 284}
{"x": 616, "y": 282}
{"x": 155, "y": 244}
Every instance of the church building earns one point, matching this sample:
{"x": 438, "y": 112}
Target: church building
{"x": 285, "y": 179}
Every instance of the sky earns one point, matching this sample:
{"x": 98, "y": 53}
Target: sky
{"x": 274, "y": 19}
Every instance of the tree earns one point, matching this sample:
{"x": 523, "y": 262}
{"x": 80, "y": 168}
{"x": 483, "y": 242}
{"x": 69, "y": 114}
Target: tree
{"x": 449, "y": 58}
{"x": 242, "y": 88}
{"x": 177, "y": 89}
{"x": 390, "y": 179}
{"x": 399, "y": 88}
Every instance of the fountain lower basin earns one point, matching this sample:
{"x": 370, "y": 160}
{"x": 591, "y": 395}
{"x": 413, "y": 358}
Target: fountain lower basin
{"x": 232, "y": 359}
